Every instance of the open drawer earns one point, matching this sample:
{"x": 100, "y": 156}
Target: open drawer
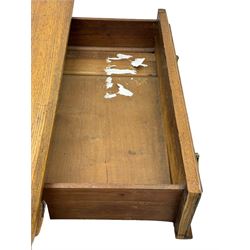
{"x": 121, "y": 146}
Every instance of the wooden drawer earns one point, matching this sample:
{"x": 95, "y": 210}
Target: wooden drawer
{"x": 121, "y": 146}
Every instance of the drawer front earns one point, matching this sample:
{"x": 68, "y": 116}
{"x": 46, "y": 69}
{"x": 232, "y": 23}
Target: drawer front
{"x": 73, "y": 201}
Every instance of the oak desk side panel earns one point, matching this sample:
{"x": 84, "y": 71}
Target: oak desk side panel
{"x": 50, "y": 26}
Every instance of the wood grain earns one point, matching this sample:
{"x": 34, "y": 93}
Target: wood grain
{"x": 112, "y": 32}
{"x": 127, "y": 157}
{"x": 194, "y": 190}
{"x": 84, "y": 62}
{"x": 130, "y": 210}
{"x": 97, "y": 140}
{"x": 180, "y": 112}
{"x": 81, "y": 201}
{"x": 184, "y": 217}
{"x": 168, "y": 116}
{"x": 50, "y": 26}
{"x": 112, "y": 49}
{"x": 111, "y": 192}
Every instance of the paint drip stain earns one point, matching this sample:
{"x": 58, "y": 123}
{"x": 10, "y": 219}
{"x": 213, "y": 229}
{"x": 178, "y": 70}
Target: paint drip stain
{"x": 118, "y": 57}
{"x": 109, "y": 96}
{"x": 109, "y": 83}
{"x": 111, "y": 71}
{"x": 123, "y": 91}
{"x": 139, "y": 62}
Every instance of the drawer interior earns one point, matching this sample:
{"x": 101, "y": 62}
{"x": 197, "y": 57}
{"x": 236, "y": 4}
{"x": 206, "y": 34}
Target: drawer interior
{"x": 115, "y": 141}
{"x": 124, "y": 141}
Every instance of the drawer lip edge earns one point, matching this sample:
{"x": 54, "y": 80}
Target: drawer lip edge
{"x": 113, "y": 186}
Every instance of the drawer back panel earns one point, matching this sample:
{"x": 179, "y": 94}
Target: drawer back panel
{"x": 112, "y": 33}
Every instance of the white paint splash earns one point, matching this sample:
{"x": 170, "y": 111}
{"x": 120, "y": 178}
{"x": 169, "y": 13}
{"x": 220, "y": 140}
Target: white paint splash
{"x": 109, "y": 96}
{"x": 123, "y": 91}
{"x": 110, "y": 66}
{"x": 109, "y": 83}
{"x": 111, "y": 71}
{"x": 118, "y": 57}
{"x": 138, "y": 62}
